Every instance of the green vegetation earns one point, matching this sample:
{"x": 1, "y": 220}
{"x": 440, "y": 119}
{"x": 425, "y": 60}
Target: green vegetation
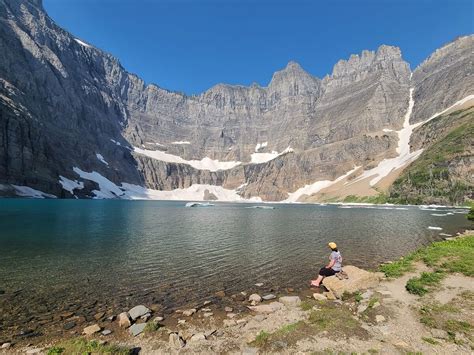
{"x": 372, "y": 302}
{"x": 307, "y": 305}
{"x": 399, "y": 267}
{"x": 336, "y": 320}
{"x": 451, "y": 317}
{"x": 83, "y": 346}
{"x": 430, "y": 341}
{"x": 261, "y": 338}
{"x": 378, "y": 199}
{"x": 446, "y": 256}
{"x": 152, "y": 327}
{"x": 418, "y": 285}
{"x": 430, "y": 178}
{"x": 470, "y": 215}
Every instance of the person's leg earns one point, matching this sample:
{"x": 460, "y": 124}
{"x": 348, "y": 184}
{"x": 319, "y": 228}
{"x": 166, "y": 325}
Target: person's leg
{"x": 317, "y": 282}
{"x": 322, "y": 273}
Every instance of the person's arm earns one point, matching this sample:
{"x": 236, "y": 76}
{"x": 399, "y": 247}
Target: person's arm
{"x": 331, "y": 264}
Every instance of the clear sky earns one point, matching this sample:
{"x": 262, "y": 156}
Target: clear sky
{"x": 191, "y": 45}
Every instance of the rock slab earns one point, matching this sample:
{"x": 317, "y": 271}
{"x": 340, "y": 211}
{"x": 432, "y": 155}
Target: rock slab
{"x": 138, "y": 311}
{"x": 290, "y": 301}
{"x": 137, "y": 329}
{"x": 92, "y": 329}
{"x": 357, "y": 280}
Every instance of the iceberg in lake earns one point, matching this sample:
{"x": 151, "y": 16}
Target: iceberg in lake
{"x": 199, "y": 204}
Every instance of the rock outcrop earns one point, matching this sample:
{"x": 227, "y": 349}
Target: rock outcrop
{"x": 357, "y": 280}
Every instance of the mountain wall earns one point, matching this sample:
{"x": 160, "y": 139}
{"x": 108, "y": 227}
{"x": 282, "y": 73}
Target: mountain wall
{"x": 75, "y": 123}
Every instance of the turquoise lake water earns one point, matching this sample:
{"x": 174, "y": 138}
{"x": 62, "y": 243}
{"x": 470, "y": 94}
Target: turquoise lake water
{"x": 58, "y": 253}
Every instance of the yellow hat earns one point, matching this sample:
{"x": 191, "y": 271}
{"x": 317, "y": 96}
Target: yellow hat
{"x": 332, "y": 245}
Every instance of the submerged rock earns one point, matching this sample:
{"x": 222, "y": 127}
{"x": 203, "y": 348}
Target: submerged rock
{"x": 357, "y": 280}
{"x": 138, "y": 311}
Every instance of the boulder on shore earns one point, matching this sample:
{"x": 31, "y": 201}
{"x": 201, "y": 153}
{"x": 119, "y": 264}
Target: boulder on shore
{"x": 357, "y": 280}
{"x": 124, "y": 320}
{"x": 138, "y": 311}
{"x": 267, "y": 308}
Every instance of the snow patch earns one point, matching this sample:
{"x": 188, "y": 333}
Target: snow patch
{"x": 316, "y": 187}
{"x": 25, "y": 191}
{"x": 70, "y": 185}
{"x": 203, "y": 164}
{"x": 108, "y": 190}
{"x": 101, "y": 159}
{"x": 259, "y": 158}
{"x": 82, "y": 43}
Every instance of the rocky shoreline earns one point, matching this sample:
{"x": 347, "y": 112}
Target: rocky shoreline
{"x": 152, "y": 328}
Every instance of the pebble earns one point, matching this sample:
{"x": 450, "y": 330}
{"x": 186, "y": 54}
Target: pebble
{"x": 229, "y": 322}
{"x": 361, "y": 308}
{"x": 319, "y": 297}
{"x": 189, "y": 312}
{"x": 260, "y": 284}
{"x": 181, "y": 321}
{"x": 269, "y": 297}
{"x": 92, "y": 329}
{"x": 255, "y": 298}
{"x": 138, "y": 311}
{"x": 137, "y": 329}
{"x": 329, "y": 295}
{"x": 208, "y": 314}
{"x": 111, "y": 318}
{"x": 376, "y": 304}
{"x": 379, "y": 318}
{"x": 158, "y": 319}
{"x": 228, "y": 309}
{"x": 231, "y": 315}
{"x": 175, "y": 341}
{"x": 145, "y": 317}
{"x": 241, "y": 321}
{"x": 69, "y": 325}
{"x": 197, "y": 337}
{"x": 106, "y": 332}
{"x": 6, "y": 345}
{"x": 206, "y": 310}
{"x": 99, "y": 316}
{"x": 124, "y": 320}
{"x": 220, "y": 294}
{"x": 290, "y": 300}
{"x": 207, "y": 303}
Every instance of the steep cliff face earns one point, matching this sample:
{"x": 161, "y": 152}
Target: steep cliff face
{"x": 75, "y": 123}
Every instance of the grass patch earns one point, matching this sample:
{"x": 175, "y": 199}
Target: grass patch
{"x": 446, "y": 256}
{"x": 372, "y": 302}
{"x": 453, "y": 317}
{"x": 261, "y": 339}
{"x": 152, "y": 327}
{"x": 419, "y": 285}
{"x": 378, "y": 199}
{"x": 83, "y": 346}
{"x": 399, "y": 267}
{"x": 336, "y": 320}
{"x": 289, "y": 333}
{"x": 430, "y": 341}
{"x": 307, "y": 305}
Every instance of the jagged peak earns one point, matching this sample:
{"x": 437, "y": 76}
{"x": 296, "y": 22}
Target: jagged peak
{"x": 365, "y": 59}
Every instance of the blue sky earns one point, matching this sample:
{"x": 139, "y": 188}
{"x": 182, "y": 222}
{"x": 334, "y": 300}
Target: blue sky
{"x": 191, "y": 45}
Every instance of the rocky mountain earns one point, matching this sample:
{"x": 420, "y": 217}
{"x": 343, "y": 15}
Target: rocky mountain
{"x": 75, "y": 123}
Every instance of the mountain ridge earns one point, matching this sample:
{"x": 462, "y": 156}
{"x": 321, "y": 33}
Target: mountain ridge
{"x": 313, "y": 129}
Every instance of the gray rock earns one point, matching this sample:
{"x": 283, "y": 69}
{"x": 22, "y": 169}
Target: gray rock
{"x": 145, "y": 317}
{"x": 361, "y": 308}
{"x": 255, "y": 298}
{"x": 158, "y": 319}
{"x": 106, "y": 332}
{"x": 69, "y": 325}
{"x": 439, "y": 333}
{"x": 268, "y": 297}
{"x": 138, "y": 311}
{"x": 137, "y": 329}
{"x": 189, "y": 312}
{"x": 175, "y": 341}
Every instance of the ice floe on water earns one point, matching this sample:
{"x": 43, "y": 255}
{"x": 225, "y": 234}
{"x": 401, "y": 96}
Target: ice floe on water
{"x": 70, "y": 185}
{"x": 316, "y": 187}
{"x": 108, "y": 189}
{"x": 203, "y": 164}
{"x": 259, "y": 158}
{"x": 25, "y": 191}
{"x": 435, "y": 228}
{"x": 101, "y": 159}
{"x": 199, "y": 204}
